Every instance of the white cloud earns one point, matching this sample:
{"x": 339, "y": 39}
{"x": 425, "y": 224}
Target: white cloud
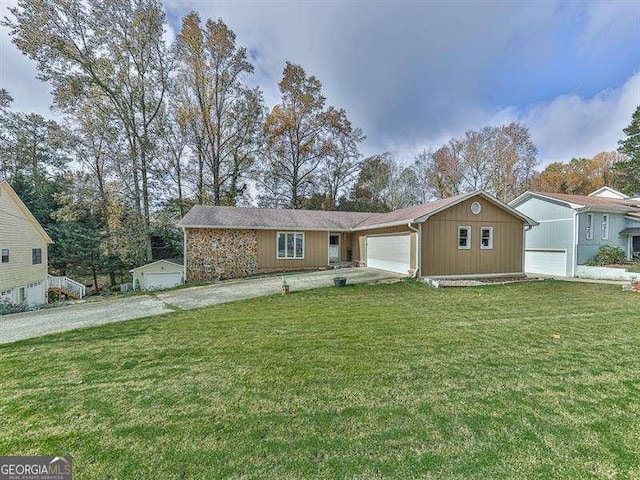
{"x": 569, "y": 126}
{"x": 415, "y": 74}
{"x": 572, "y": 126}
{"x": 18, "y": 74}
{"x": 609, "y": 21}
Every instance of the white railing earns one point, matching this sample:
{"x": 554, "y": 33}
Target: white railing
{"x": 67, "y": 285}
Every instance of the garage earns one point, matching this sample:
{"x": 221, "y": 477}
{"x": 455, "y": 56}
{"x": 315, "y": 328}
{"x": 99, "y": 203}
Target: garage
{"x": 34, "y": 294}
{"x": 156, "y": 281}
{"x": 158, "y": 275}
{"x": 389, "y": 252}
{"x": 546, "y": 262}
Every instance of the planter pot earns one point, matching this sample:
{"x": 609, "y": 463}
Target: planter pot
{"x": 340, "y": 281}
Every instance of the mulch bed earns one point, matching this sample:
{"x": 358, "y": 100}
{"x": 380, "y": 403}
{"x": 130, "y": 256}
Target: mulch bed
{"x": 478, "y": 281}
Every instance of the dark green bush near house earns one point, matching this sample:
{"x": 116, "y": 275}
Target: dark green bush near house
{"x": 608, "y": 255}
{"x": 7, "y": 308}
{"x": 53, "y": 296}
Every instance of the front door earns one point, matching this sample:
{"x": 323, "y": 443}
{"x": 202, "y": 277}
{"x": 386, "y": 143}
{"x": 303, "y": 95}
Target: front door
{"x": 635, "y": 246}
{"x": 334, "y": 247}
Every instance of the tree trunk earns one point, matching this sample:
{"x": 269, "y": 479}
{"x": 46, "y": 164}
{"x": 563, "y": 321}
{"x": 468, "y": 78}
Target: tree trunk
{"x": 145, "y": 199}
{"x": 95, "y": 279}
{"x": 179, "y": 179}
{"x": 200, "y": 176}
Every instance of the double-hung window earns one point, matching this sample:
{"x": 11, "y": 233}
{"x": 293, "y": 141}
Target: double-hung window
{"x": 486, "y": 238}
{"x": 464, "y": 237}
{"x": 605, "y": 227}
{"x": 290, "y": 245}
{"x": 36, "y": 256}
{"x": 4, "y": 255}
{"x": 588, "y": 232}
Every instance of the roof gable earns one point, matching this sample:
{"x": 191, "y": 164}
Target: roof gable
{"x": 5, "y": 189}
{"x": 421, "y": 213}
{"x": 170, "y": 262}
{"x": 608, "y": 192}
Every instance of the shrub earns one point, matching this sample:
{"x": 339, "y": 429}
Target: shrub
{"x": 53, "y": 296}
{"x": 7, "y": 308}
{"x": 608, "y": 255}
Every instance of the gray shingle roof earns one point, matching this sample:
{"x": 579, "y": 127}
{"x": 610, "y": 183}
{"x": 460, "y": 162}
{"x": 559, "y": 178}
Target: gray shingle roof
{"x": 270, "y": 218}
{"x": 204, "y": 216}
{"x": 595, "y": 202}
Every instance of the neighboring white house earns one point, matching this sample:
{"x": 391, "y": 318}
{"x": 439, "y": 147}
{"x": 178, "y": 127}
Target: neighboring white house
{"x": 572, "y": 228}
{"x": 158, "y": 275}
{"x": 23, "y": 252}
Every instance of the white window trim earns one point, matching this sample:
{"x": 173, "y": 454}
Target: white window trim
{"x": 490, "y": 246}
{"x": 278, "y": 257}
{"x": 468, "y": 229}
{"x": 605, "y": 226}
{"x": 8, "y": 255}
{"x": 588, "y": 229}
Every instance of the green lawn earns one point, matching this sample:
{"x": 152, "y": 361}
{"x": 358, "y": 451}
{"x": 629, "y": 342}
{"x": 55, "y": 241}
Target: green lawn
{"x": 538, "y": 380}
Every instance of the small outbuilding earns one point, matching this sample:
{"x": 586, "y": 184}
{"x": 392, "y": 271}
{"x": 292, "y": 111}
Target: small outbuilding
{"x": 158, "y": 275}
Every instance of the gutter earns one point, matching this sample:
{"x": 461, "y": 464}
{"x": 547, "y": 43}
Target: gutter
{"x": 398, "y": 223}
{"x": 418, "y": 231}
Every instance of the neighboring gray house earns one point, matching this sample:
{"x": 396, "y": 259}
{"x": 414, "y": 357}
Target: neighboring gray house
{"x": 572, "y": 228}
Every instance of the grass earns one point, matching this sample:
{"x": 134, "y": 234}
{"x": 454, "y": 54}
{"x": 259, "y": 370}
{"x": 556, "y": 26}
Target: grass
{"x": 536, "y": 380}
{"x": 633, "y": 267}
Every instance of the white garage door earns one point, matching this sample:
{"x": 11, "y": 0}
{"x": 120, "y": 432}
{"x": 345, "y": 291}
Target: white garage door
{"x": 34, "y": 294}
{"x": 546, "y": 262}
{"x": 155, "y": 281}
{"x": 389, "y": 252}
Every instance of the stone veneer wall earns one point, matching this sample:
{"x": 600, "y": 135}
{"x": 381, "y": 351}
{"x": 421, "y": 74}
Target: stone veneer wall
{"x": 213, "y": 254}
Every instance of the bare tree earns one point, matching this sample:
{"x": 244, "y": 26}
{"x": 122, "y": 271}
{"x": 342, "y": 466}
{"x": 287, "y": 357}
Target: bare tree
{"x": 225, "y": 114}
{"x": 110, "y": 48}
{"x": 297, "y": 132}
{"x": 343, "y": 161}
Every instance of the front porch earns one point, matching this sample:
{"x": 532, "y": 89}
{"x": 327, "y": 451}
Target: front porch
{"x": 339, "y": 247}
{"x": 633, "y": 242}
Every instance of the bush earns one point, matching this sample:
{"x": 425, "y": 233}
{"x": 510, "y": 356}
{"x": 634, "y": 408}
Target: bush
{"x": 7, "y": 308}
{"x": 608, "y": 255}
{"x": 53, "y": 296}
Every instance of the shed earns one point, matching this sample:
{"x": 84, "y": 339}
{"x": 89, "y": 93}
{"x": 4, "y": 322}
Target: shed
{"x": 158, "y": 275}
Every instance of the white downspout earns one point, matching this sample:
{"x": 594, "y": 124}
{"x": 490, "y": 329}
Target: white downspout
{"x": 524, "y": 245}
{"x": 576, "y": 225}
{"x": 418, "y": 231}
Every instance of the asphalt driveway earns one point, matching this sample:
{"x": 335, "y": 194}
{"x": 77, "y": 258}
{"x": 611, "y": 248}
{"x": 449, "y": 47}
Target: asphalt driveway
{"x": 20, "y": 326}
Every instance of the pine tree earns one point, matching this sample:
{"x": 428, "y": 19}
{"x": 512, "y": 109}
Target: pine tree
{"x": 627, "y": 171}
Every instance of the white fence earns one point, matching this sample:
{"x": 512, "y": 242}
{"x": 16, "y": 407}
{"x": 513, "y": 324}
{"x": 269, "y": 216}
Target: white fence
{"x": 67, "y": 285}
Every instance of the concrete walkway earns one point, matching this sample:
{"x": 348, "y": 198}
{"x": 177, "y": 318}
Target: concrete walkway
{"x": 20, "y": 326}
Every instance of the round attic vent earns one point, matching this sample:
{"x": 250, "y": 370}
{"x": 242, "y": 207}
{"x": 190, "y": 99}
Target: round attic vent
{"x": 476, "y": 208}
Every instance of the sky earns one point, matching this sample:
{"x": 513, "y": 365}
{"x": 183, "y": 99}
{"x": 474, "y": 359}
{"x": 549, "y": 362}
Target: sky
{"x": 414, "y": 74}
